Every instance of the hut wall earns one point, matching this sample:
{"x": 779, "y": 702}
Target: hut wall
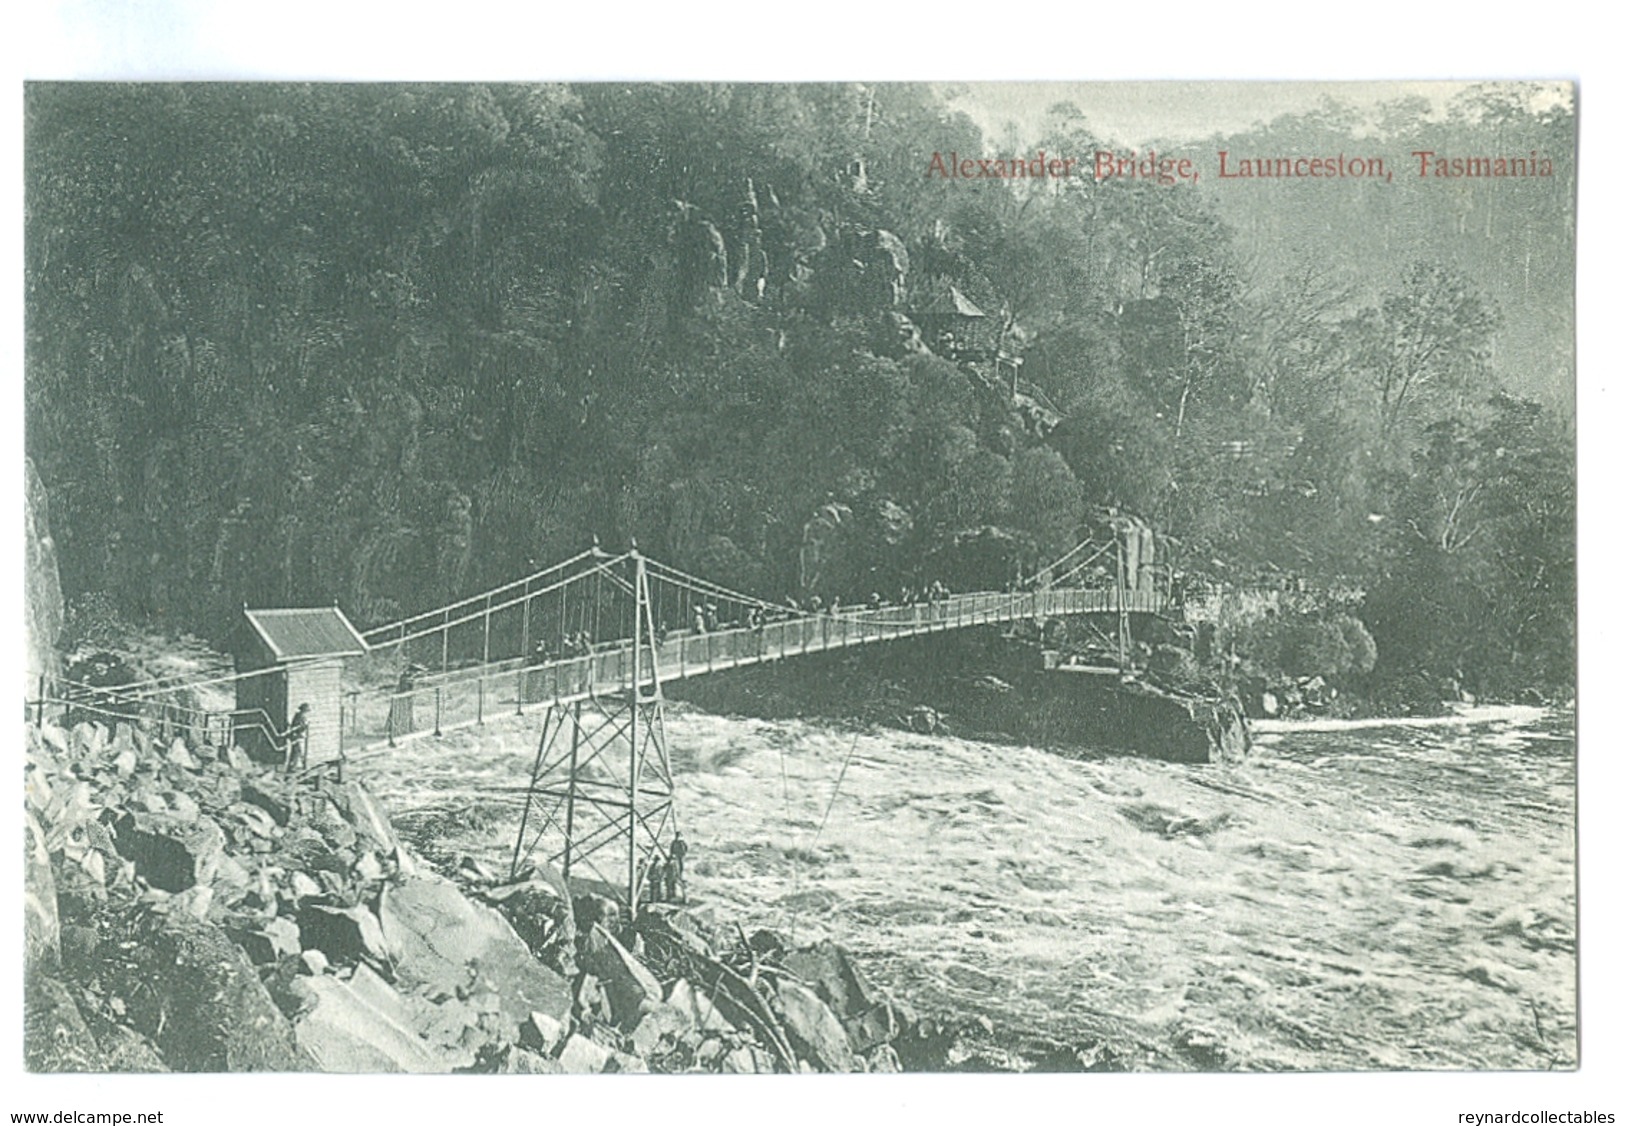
{"x": 321, "y": 685}
{"x": 267, "y": 693}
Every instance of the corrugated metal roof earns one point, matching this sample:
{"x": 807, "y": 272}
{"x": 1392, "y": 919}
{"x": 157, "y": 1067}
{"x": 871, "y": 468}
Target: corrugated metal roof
{"x": 963, "y": 305}
{"x": 952, "y": 302}
{"x": 295, "y": 635}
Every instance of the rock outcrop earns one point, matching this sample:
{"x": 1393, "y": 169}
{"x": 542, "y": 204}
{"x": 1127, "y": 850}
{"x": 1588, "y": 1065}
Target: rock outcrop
{"x": 188, "y": 910}
{"x": 231, "y": 918}
{"x": 193, "y": 992}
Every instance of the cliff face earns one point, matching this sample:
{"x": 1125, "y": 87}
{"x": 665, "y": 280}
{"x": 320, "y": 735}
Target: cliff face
{"x": 42, "y": 586}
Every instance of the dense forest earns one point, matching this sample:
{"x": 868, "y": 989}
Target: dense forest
{"x": 387, "y": 345}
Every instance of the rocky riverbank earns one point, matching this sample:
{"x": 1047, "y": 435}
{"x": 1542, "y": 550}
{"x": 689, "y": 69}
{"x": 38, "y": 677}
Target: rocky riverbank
{"x": 190, "y": 910}
{"x": 981, "y": 683}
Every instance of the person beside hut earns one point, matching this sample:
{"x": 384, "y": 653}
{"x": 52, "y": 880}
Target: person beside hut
{"x": 296, "y": 740}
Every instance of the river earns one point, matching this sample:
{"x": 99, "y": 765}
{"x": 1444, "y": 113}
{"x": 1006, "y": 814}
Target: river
{"x": 1374, "y": 897}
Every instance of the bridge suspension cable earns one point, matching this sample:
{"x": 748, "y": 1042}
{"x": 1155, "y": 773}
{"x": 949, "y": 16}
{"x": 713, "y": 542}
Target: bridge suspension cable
{"x": 381, "y": 631}
{"x": 705, "y": 586}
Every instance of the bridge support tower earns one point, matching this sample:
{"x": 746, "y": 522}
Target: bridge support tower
{"x": 599, "y": 802}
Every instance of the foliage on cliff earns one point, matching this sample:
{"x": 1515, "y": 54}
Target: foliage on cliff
{"x": 387, "y": 345}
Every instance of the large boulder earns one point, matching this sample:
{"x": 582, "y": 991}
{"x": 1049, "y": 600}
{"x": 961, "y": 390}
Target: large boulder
{"x": 660, "y": 1030}
{"x": 829, "y": 970}
{"x": 347, "y": 935}
{"x": 196, "y": 995}
{"x": 814, "y": 1031}
{"x": 864, "y": 1011}
{"x": 361, "y": 1025}
{"x": 582, "y": 1056}
{"x": 271, "y": 941}
{"x": 264, "y": 795}
{"x": 541, "y": 1033}
{"x": 632, "y": 989}
{"x": 367, "y": 818}
{"x": 873, "y": 1028}
{"x": 169, "y": 851}
{"x": 444, "y": 943}
{"x": 542, "y": 914}
{"x": 55, "y": 1037}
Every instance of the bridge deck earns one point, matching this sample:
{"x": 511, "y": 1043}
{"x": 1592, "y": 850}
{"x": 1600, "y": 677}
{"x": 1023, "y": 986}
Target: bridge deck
{"x": 446, "y": 701}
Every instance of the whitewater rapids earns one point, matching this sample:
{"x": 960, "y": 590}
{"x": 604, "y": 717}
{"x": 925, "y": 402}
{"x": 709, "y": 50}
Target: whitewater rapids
{"x": 1383, "y": 897}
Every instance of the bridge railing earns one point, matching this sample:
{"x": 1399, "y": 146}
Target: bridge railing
{"x": 439, "y": 702}
{"x": 162, "y": 717}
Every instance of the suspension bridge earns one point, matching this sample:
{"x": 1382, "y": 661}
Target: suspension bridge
{"x": 587, "y": 643}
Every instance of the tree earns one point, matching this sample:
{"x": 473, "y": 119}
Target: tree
{"x": 1426, "y": 347}
{"x": 1479, "y": 569}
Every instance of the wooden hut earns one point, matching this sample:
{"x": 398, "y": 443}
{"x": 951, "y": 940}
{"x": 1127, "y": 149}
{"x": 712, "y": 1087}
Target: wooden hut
{"x": 299, "y": 657}
{"x": 955, "y": 327}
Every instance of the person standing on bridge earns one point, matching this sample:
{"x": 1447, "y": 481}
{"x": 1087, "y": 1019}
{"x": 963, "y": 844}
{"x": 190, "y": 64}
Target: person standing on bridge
{"x": 757, "y": 621}
{"x": 400, "y": 704}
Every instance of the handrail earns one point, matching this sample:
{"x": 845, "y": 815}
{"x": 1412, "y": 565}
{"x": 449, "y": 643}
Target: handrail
{"x": 258, "y": 719}
{"x": 138, "y": 691}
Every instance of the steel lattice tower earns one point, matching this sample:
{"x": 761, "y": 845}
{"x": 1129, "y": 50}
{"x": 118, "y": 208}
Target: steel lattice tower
{"x": 600, "y": 790}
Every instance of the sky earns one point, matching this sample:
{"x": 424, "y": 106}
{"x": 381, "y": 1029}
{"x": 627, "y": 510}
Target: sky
{"x": 1135, "y": 113}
